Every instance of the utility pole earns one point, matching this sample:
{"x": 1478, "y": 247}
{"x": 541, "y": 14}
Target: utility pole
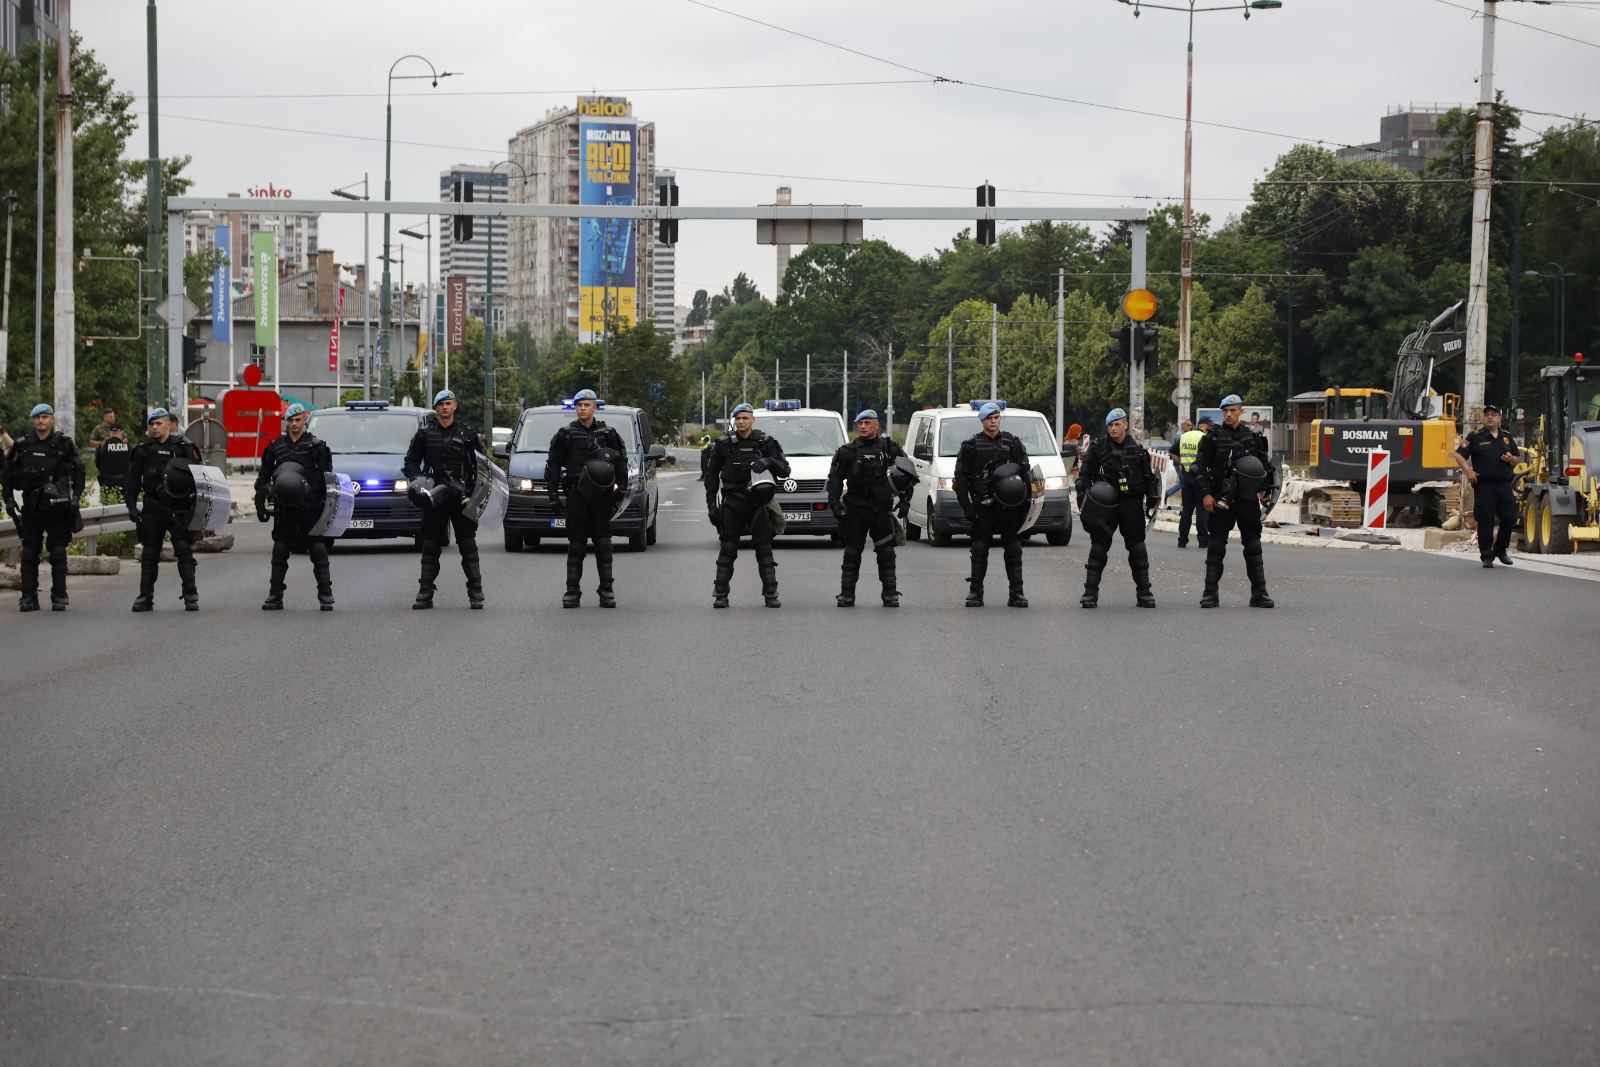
{"x": 808, "y": 379}
{"x": 154, "y": 370}
{"x": 890, "y": 405}
{"x": 702, "y": 398}
{"x": 1135, "y": 364}
{"x": 846, "y": 402}
{"x": 38, "y": 238}
{"x": 1061, "y": 349}
{"x": 66, "y": 326}
{"x": 744, "y": 383}
{"x": 5, "y": 293}
{"x": 777, "y": 378}
{"x": 1482, "y": 175}
{"x": 950, "y": 367}
{"x": 994, "y": 351}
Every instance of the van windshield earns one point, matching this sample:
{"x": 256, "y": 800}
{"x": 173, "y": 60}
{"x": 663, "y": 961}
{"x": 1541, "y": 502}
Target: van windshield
{"x": 540, "y": 426}
{"x": 803, "y": 435}
{"x": 373, "y": 432}
{"x": 1033, "y": 431}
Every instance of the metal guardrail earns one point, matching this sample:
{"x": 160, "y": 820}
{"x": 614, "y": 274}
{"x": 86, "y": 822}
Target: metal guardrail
{"x": 98, "y": 520}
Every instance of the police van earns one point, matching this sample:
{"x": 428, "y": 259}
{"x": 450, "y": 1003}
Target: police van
{"x": 933, "y": 439}
{"x": 368, "y": 439}
{"x": 810, "y": 437}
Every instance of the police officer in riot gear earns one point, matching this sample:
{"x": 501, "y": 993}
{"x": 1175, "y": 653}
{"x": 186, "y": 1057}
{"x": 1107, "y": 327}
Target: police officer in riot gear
{"x": 862, "y": 497}
{"x": 1117, "y": 489}
{"x": 293, "y": 477}
{"x": 745, "y": 466}
{"x": 45, "y": 469}
{"x": 992, "y": 476}
{"x": 1489, "y": 458}
{"x": 443, "y": 458}
{"x": 587, "y": 476}
{"x": 158, "y": 469}
{"x": 1234, "y": 474}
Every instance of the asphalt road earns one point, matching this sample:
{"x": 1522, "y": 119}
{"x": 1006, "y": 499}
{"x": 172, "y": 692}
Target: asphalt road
{"x": 1362, "y": 828}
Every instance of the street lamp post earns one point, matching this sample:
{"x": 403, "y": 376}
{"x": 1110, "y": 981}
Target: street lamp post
{"x": 366, "y": 282}
{"x": 488, "y": 303}
{"x": 433, "y": 75}
{"x": 426, "y": 237}
{"x": 1185, "y": 390}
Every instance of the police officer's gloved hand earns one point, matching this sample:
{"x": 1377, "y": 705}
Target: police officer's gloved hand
{"x": 905, "y": 508}
{"x": 557, "y": 504}
{"x": 133, "y": 513}
{"x": 758, "y": 465}
{"x": 837, "y": 507}
{"x": 714, "y": 513}
{"x": 261, "y": 507}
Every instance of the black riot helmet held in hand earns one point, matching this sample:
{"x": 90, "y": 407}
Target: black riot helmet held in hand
{"x": 177, "y": 483}
{"x": 1008, "y": 484}
{"x": 290, "y": 489}
{"x": 762, "y": 486}
{"x": 1249, "y": 474}
{"x": 1099, "y": 509}
{"x": 903, "y": 475}
{"x": 598, "y": 477}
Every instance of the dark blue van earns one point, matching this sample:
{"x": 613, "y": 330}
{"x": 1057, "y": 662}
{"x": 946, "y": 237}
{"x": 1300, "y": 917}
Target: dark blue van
{"x": 529, "y": 516}
{"x": 368, "y": 439}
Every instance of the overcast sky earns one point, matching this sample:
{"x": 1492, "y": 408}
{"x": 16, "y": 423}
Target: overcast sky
{"x": 1317, "y": 69}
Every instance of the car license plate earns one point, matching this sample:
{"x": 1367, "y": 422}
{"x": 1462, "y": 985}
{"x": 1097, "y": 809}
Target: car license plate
{"x": 360, "y": 524}
{"x": 558, "y": 524}
{"x": 797, "y": 516}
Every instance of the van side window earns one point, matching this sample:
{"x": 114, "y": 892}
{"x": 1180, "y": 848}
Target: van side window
{"x": 646, "y": 439}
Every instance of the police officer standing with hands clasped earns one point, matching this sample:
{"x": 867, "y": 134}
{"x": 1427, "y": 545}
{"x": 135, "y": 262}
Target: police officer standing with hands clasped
{"x": 862, "y": 497}
{"x": 293, "y": 476}
{"x": 441, "y": 470}
{"x": 158, "y": 468}
{"x": 745, "y": 465}
{"x": 587, "y": 476}
{"x": 992, "y": 485}
{"x": 1117, "y": 489}
{"x": 1489, "y": 458}
{"x": 44, "y": 467}
{"x": 1234, "y": 478}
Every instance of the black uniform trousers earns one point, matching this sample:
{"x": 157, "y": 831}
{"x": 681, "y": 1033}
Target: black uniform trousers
{"x": 1246, "y": 515}
{"x": 437, "y": 524}
{"x": 987, "y": 523}
{"x": 863, "y": 519}
{"x": 1494, "y": 505}
{"x": 44, "y": 534}
{"x": 157, "y": 522}
{"x": 289, "y": 536}
{"x": 1193, "y": 510}
{"x": 588, "y": 520}
{"x": 741, "y": 515}
{"x": 1129, "y": 520}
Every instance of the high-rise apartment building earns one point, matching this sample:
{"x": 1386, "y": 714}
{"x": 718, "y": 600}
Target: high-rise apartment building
{"x": 22, "y": 22}
{"x": 562, "y": 274}
{"x": 471, "y": 258}
{"x": 297, "y": 233}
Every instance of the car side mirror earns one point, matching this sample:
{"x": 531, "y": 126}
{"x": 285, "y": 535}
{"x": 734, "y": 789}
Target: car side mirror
{"x": 502, "y": 451}
{"x": 656, "y": 454}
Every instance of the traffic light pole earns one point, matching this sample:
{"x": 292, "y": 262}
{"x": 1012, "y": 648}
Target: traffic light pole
{"x": 1136, "y": 364}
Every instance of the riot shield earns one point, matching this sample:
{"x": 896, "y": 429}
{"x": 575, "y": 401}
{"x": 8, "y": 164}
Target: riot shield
{"x": 212, "y": 500}
{"x": 338, "y": 506}
{"x": 490, "y": 495}
{"x": 1035, "y": 498}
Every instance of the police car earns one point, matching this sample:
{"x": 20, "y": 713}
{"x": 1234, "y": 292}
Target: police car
{"x": 810, "y": 437}
{"x": 368, "y": 439}
{"x": 933, "y": 438}
{"x": 529, "y": 514}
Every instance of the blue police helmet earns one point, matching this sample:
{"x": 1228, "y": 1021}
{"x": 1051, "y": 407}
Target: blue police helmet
{"x": 1116, "y": 415}
{"x": 866, "y": 413}
{"x": 297, "y": 409}
{"x": 441, "y": 396}
{"x": 585, "y": 394}
{"x": 1232, "y": 400}
{"x": 991, "y": 408}
{"x": 41, "y": 409}
{"x": 739, "y": 409}
{"x": 157, "y": 414}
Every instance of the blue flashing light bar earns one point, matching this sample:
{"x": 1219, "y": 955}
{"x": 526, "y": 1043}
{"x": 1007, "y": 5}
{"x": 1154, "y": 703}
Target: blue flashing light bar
{"x": 366, "y": 405}
{"x": 783, "y": 405}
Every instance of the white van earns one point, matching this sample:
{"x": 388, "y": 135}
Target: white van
{"x": 810, "y": 437}
{"x": 934, "y": 438}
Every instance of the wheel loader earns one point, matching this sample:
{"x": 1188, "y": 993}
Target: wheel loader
{"x": 1558, "y": 486}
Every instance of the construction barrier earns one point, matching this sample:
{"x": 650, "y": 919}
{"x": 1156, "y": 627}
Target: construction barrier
{"x": 1375, "y": 513}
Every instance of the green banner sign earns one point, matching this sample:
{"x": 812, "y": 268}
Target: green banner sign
{"x": 264, "y": 253}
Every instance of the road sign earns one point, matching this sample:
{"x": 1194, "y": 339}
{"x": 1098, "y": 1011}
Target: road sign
{"x": 1139, "y": 304}
{"x": 179, "y": 305}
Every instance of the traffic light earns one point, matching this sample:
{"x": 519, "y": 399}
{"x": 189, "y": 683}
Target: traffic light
{"x": 667, "y": 196}
{"x": 461, "y": 225}
{"x": 1149, "y": 340}
{"x": 192, "y": 356}
{"x": 986, "y": 226}
{"x": 1119, "y": 347}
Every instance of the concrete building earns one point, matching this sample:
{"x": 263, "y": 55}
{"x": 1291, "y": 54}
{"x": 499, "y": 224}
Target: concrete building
{"x": 297, "y": 234}
{"x": 471, "y": 258}
{"x": 1408, "y": 138}
{"x": 22, "y": 22}
{"x": 543, "y": 270}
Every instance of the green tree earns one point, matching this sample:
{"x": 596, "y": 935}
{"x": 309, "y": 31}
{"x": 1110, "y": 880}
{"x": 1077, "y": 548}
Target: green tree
{"x": 639, "y": 371}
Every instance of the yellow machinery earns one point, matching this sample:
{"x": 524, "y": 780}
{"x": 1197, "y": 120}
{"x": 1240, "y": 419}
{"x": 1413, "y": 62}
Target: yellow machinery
{"x": 1559, "y": 484}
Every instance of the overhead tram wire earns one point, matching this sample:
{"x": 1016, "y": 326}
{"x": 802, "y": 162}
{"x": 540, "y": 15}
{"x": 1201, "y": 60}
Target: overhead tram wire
{"x": 1525, "y": 25}
{"x": 637, "y": 90}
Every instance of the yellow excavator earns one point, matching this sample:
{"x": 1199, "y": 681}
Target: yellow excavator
{"x": 1559, "y": 484}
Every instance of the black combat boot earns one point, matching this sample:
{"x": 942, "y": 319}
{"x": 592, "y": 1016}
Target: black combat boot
{"x": 58, "y": 580}
{"x": 320, "y": 568}
{"x": 1256, "y": 568}
{"x": 425, "y": 580}
{"x": 849, "y": 571}
{"x": 30, "y": 581}
{"x": 768, "y": 570}
{"x": 602, "y": 564}
{"x": 891, "y": 590}
{"x": 473, "y": 569}
{"x": 149, "y": 567}
{"x": 1091, "y": 576}
{"x": 1139, "y": 563}
{"x": 191, "y": 594}
{"x": 719, "y": 584}
{"x": 573, "y": 594}
{"x": 1015, "y": 599}
{"x": 1208, "y": 598}
{"x": 975, "y": 577}
{"x": 280, "y": 571}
